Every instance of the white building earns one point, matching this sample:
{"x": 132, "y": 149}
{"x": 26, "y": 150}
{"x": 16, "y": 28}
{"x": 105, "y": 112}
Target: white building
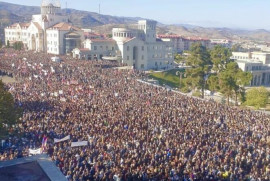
{"x": 47, "y": 32}
{"x": 258, "y": 63}
{"x": 139, "y": 48}
{"x": 181, "y": 43}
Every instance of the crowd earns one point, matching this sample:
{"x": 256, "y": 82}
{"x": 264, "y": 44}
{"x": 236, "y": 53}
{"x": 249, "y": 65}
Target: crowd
{"x": 134, "y": 131}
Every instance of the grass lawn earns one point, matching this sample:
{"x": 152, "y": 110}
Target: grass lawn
{"x": 168, "y": 77}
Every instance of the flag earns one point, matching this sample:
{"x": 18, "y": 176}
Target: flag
{"x": 44, "y": 143}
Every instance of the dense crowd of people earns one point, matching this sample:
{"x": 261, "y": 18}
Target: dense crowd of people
{"x": 134, "y": 131}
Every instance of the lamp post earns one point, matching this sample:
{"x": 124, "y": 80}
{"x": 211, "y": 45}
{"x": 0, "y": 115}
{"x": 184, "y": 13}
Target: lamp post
{"x": 180, "y": 77}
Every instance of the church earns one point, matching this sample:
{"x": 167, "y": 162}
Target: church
{"x": 47, "y": 32}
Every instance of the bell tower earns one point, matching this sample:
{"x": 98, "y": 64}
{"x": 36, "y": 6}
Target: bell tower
{"x": 50, "y": 7}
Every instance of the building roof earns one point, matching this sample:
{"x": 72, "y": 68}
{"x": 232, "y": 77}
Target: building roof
{"x": 169, "y": 36}
{"x": 25, "y": 24}
{"x": 64, "y": 27}
{"x": 37, "y": 25}
{"x": 102, "y": 40}
{"x": 55, "y": 3}
{"x": 39, "y": 167}
{"x": 184, "y": 38}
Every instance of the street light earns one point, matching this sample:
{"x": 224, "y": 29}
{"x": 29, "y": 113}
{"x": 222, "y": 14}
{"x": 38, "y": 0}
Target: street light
{"x": 180, "y": 77}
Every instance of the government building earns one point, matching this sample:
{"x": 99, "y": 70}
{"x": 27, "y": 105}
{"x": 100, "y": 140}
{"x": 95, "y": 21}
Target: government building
{"x": 50, "y": 32}
{"x": 257, "y": 63}
{"x": 138, "y": 47}
{"x": 47, "y": 32}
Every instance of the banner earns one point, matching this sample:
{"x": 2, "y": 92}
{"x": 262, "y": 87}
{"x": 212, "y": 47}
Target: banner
{"x": 79, "y": 143}
{"x": 35, "y": 152}
{"x": 60, "y": 140}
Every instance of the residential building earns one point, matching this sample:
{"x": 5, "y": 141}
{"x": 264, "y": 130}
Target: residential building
{"x": 181, "y": 43}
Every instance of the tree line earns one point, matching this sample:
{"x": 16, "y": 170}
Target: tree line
{"x": 215, "y": 71}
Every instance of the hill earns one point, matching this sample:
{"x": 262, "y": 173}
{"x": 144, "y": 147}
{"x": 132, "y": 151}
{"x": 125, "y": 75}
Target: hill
{"x": 12, "y": 13}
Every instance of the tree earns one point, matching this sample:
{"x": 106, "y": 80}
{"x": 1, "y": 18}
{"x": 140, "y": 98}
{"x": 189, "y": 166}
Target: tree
{"x": 9, "y": 113}
{"x": 257, "y": 97}
{"x": 220, "y": 56}
{"x": 200, "y": 63}
{"x": 18, "y": 45}
{"x": 8, "y": 44}
{"x": 179, "y": 58}
{"x": 236, "y": 48}
{"x": 232, "y": 81}
{"x": 1, "y": 44}
{"x": 213, "y": 83}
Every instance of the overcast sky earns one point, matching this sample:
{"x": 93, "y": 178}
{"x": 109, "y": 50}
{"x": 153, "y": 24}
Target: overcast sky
{"x": 246, "y": 14}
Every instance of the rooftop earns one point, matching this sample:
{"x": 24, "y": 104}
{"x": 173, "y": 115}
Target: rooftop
{"x": 39, "y": 167}
{"x": 64, "y": 27}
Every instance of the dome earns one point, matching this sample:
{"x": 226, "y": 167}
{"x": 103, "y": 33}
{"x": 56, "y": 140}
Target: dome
{"x": 55, "y": 3}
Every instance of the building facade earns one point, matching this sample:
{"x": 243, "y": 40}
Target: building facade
{"x": 137, "y": 47}
{"x": 47, "y": 32}
{"x": 258, "y": 63}
{"x": 181, "y": 43}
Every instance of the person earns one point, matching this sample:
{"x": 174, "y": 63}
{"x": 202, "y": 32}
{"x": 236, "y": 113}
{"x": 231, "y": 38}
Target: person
{"x": 135, "y": 131}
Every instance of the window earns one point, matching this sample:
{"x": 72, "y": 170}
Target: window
{"x": 95, "y": 47}
{"x": 142, "y": 66}
{"x": 142, "y": 57}
{"x": 112, "y": 48}
{"x": 142, "y": 48}
{"x": 127, "y": 57}
{"x": 127, "y": 48}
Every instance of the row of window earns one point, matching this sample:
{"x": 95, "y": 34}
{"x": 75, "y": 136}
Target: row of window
{"x": 52, "y": 43}
{"x": 101, "y": 47}
{"x": 52, "y": 49}
{"x": 142, "y": 57}
{"x": 52, "y": 35}
{"x": 142, "y": 48}
{"x": 120, "y": 34}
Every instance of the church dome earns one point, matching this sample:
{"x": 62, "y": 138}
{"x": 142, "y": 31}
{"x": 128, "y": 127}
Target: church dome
{"x": 55, "y": 3}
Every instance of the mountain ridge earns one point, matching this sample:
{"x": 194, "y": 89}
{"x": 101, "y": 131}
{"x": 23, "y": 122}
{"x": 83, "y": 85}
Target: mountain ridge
{"x": 12, "y": 13}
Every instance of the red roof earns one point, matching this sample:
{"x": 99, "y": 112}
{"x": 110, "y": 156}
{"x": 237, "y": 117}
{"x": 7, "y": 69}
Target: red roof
{"x": 102, "y": 40}
{"x": 64, "y": 27}
{"x": 184, "y": 38}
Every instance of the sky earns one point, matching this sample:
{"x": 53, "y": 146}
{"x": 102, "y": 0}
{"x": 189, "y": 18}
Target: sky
{"x": 238, "y": 14}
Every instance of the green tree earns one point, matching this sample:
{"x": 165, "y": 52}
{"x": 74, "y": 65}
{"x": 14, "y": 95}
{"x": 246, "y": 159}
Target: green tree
{"x": 9, "y": 113}
{"x": 213, "y": 83}
{"x": 236, "y": 48}
{"x": 8, "y": 44}
{"x": 200, "y": 63}
{"x": 257, "y": 97}
{"x": 1, "y": 44}
{"x": 179, "y": 58}
{"x": 242, "y": 79}
{"x": 220, "y": 56}
{"x": 18, "y": 45}
{"x": 232, "y": 81}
